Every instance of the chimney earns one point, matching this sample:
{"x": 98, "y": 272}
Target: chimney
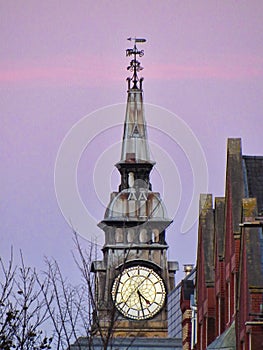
{"x": 188, "y": 268}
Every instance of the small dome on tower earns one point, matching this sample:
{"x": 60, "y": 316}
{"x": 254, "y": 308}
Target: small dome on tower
{"x": 141, "y": 205}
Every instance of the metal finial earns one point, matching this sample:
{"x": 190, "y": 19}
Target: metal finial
{"x": 135, "y": 65}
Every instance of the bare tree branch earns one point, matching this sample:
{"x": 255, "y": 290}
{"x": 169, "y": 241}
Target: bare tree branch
{"x": 23, "y": 311}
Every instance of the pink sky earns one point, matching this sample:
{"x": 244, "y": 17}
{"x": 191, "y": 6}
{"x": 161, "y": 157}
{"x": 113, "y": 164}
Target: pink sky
{"x": 76, "y": 70}
{"x": 60, "y": 61}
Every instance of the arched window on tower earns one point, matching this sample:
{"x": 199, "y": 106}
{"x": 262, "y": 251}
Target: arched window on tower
{"x": 155, "y": 235}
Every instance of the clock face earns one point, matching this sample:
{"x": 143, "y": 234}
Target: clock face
{"x": 138, "y": 293}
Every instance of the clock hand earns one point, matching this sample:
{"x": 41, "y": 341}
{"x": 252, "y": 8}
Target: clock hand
{"x": 141, "y": 296}
{"x": 145, "y": 279}
{"x": 141, "y": 302}
{"x": 136, "y": 289}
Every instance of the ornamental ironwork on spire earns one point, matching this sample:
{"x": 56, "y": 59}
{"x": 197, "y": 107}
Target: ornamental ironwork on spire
{"x": 135, "y": 65}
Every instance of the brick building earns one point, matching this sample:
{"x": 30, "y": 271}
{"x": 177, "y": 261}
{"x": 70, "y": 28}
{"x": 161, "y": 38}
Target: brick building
{"x": 229, "y": 279}
{"x": 188, "y": 317}
{"x": 179, "y": 307}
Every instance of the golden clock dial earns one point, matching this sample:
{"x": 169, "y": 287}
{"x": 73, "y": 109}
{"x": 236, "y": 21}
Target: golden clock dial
{"x": 138, "y": 292}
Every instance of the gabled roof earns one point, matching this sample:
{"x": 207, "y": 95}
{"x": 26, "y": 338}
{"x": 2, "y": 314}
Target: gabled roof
{"x": 206, "y": 238}
{"x": 253, "y": 178}
{"x": 234, "y": 181}
{"x": 220, "y": 225}
{"x": 252, "y": 244}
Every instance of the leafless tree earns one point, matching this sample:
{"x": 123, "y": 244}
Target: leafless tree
{"x": 32, "y": 302}
{"x": 74, "y": 311}
{"x": 23, "y": 310}
{"x": 70, "y": 311}
{"x": 96, "y": 325}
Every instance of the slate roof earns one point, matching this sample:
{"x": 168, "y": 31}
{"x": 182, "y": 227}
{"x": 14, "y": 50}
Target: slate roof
{"x": 226, "y": 340}
{"x": 131, "y": 343}
{"x": 253, "y": 178}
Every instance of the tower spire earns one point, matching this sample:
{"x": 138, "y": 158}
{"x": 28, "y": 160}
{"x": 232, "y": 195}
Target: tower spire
{"x": 135, "y": 148}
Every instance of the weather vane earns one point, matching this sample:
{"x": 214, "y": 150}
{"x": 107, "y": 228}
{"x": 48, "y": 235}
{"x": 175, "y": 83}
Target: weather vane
{"x": 135, "y": 65}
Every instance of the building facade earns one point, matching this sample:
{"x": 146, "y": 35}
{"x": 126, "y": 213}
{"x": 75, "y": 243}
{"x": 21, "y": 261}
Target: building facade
{"x": 174, "y": 302}
{"x": 229, "y": 280}
{"x": 188, "y": 310}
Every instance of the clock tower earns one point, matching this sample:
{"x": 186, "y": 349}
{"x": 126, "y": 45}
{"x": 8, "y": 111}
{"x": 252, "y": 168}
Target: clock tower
{"x": 134, "y": 277}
